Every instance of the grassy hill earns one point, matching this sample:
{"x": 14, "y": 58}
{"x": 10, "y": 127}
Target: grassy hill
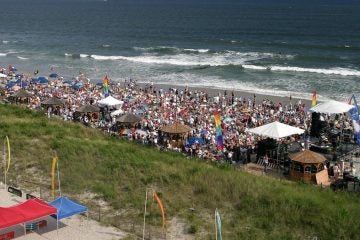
{"x": 118, "y": 172}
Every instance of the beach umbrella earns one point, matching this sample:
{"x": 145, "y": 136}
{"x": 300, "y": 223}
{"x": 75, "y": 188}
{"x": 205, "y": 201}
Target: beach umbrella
{"x": 77, "y": 86}
{"x": 42, "y": 80}
{"x": 9, "y": 85}
{"x": 35, "y": 80}
{"x": 332, "y": 107}
{"x": 141, "y": 132}
{"x": 228, "y": 119}
{"x": 19, "y": 75}
{"x": 53, "y": 75}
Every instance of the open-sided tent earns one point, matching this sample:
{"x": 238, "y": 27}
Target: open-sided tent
{"x": 276, "y": 130}
{"x": 110, "y": 102}
{"x": 67, "y": 207}
{"x": 27, "y": 211}
{"x": 332, "y": 107}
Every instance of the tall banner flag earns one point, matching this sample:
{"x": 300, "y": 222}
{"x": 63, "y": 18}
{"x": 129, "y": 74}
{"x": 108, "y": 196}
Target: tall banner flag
{"x": 313, "y": 99}
{"x": 218, "y": 225}
{"x": 106, "y": 86}
{"x": 219, "y": 138}
{"x": 161, "y": 208}
{"x": 53, "y": 166}
{"x": 355, "y": 118}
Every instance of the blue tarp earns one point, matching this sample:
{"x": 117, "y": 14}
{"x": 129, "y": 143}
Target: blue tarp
{"x": 67, "y": 207}
{"x": 196, "y": 140}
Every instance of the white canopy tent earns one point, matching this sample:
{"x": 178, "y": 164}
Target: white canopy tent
{"x": 331, "y": 107}
{"x": 276, "y": 130}
{"x": 110, "y": 102}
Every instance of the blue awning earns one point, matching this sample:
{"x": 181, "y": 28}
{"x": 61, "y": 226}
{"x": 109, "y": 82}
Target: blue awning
{"x": 67, "y": 207}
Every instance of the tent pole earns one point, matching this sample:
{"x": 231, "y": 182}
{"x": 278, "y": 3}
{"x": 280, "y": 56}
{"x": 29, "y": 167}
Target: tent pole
{"x": 4, "y": 166}
{"x": 146, "y": 196}
{"x": 58, "y": 173}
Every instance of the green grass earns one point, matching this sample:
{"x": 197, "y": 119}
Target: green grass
{"x": 251, "y": 207}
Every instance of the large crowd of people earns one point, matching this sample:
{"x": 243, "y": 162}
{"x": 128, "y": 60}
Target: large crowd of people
{"x": 159, "y": 107}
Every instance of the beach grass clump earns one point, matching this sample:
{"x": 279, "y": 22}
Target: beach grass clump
{"x": 118, "y": 173}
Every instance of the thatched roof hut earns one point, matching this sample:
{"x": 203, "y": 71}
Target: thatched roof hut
{"x": 305, "y": 165}
{"x": 128, "y": 118}
{"x": 22, "y": 93}
{"x": 53, "y": 101}
{"x": 176, "y": 128}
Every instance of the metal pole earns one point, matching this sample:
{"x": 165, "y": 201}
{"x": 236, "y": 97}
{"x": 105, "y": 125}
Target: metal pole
{"x": 4, "y": 165}
{"x": 58, "y": 173}
{"x": 216, "y": 234}
{"x": 145, "y": 214}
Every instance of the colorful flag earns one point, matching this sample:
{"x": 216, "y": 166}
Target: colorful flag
{"x": 218, "y": 225}
{"x": 161, "y": 208}
{"x": 219, "y": 138}
{"x": 355, "y": 118}
{"x": 106, "y": 86}
{"x": 313, "y": 99}
{"x": 53, "y": 166}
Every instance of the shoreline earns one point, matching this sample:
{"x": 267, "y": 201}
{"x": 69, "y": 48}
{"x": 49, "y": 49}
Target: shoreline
{"x": 237, "y": 93}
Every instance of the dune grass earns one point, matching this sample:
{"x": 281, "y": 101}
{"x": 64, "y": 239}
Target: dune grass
{"x": 251, "y": 207}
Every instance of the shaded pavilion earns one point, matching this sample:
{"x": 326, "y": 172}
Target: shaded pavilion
{"x": 305, "y": 165}
{"x": 128, "y": 120}
{"x": 91, "y": 111}
{"x": 176, "y": 133}
{"x": 21, "y": 96}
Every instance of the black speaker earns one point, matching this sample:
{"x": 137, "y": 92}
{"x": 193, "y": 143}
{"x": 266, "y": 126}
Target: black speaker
{"x": 315, "y": 125}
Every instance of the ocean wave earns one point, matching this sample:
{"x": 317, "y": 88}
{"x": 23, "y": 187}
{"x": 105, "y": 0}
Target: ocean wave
{"x": 22, "y": 58}
{"x": 106, "y": 45}
{"x": 169, "y": 50}
{"x": 183, "y": 59}
{"x": 82, "y": 55}
{"x": 5, "y": 42}
{"x": 3, "y": 54}
{"x": 76, "y": 55}
{"x": 331, "y": 71}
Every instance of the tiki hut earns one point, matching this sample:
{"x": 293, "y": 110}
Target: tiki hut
{"x": 128, "y": 120}
{"x": 91, "y": 110}
{"x": 53, "y": 101}
{"x": 53, "y": 105}
{"x": 176, "y": 133}
{"x": 21, "y": 96}
{"x": 306, "y": 165}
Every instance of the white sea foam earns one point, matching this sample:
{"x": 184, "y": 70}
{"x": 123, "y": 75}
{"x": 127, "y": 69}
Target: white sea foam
{"x": 68, "y": 55}
{"x": 183, "y": 59}
{"x": 331, "y": 71}
{"x": 106, "y": 45}
{"x": 22, "y": 58}
{"x": 84, "y": 55}
{"x": 5, "y": 42}
{"x": 197, "y": 50}
{"x": 3, "y": 54}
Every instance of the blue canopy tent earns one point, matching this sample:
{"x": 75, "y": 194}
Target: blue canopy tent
{"x": 67, "y": 207}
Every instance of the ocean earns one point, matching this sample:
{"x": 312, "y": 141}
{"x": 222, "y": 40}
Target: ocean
{"x": 274, "y": 47}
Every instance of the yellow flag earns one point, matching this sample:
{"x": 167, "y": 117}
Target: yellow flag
{"x": 9, "y": 154}
{"x": 161, "y": 208}
{"x": 53, "y": 176}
